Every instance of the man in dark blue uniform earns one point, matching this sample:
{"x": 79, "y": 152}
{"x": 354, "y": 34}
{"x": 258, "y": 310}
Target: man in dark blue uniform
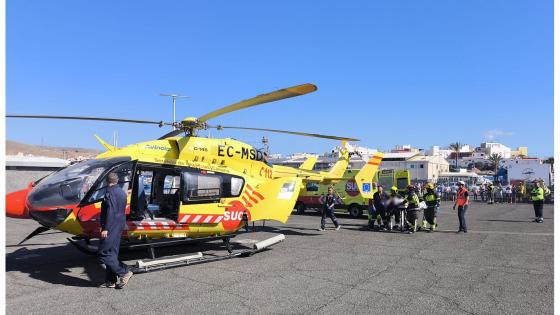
{"x": 328, "y": 210}
{"x": 112, "y": 225}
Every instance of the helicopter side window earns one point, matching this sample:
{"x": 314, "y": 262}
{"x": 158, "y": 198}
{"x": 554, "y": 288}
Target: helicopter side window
{"x": 312, "y": 186}
{"x": 210, "y": 186}
{"x": 124, "y": 172}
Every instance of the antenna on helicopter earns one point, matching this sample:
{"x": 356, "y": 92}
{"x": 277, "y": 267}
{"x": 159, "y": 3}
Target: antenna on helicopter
{"x": 174, "y": 97}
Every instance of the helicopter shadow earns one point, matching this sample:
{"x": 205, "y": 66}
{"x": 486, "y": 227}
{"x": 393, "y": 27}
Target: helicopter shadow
{"x": 56, "y": 265}
{"x": 67, "y": 266}
{"x": 288, "y": 231}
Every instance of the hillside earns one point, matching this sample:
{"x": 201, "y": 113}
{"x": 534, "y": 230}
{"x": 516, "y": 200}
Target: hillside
{"x": 13, "y": 148}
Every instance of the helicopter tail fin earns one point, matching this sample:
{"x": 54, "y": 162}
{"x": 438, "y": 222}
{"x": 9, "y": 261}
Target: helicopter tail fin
{"x": 364, "y": 177}
{"x": 338, "y": 169}
{"x": 272, "y": 200}
{"x": 309, "y": 163}
{"x": 105, "y": 144}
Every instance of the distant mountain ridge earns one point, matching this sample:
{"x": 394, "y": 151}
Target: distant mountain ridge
{"x": 13, "y": 148}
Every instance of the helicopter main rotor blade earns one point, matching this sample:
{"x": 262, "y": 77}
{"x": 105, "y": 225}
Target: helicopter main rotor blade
{"x": 263, "y": 98}
{"x": 315, "y": 135}
{"x": 159, "y": 123}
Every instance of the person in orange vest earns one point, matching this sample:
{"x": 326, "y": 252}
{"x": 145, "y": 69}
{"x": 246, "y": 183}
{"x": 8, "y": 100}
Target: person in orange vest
{"x": 463, "y": 203}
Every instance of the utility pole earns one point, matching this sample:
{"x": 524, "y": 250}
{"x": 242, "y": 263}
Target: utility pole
{"x": 174, "y": 97}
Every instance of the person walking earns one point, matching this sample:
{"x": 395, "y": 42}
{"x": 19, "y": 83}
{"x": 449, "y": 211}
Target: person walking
{"x": 328, "y": 210}
{"x": 432, "y": 201}
{"x": 462, "y": 203}
{"x": 537, "y": 196}
{"x": 112, "y": 222}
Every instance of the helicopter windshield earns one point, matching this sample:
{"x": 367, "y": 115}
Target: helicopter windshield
{"x": 69, "y": 185}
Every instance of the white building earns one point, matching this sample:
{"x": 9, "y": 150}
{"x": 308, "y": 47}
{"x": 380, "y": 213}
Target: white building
{"x": 421, "y": 167}
{"x": 490, "y": 148}
{"x": 528, "y": 169}
{"x": 445, "y": 152}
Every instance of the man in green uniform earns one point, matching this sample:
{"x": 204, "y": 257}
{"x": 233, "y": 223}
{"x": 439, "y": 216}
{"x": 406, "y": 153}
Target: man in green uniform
{"x": 412, "y": 209}
{"x": 537, "y": 196}
{"x": 432, "y": 201}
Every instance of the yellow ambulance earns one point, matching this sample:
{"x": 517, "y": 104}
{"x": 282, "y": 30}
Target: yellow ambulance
{"x": 312, "y": 195}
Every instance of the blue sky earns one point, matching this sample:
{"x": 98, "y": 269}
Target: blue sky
{"x": 388, "y": 72}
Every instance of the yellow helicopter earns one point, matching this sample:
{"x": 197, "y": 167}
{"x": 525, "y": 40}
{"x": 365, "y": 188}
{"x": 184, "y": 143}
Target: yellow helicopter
{"x": 179, "y": 186}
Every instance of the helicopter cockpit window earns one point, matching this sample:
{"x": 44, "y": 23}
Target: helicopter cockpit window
{"x": 70, "y": 184}
{"x": 124, "y": 172}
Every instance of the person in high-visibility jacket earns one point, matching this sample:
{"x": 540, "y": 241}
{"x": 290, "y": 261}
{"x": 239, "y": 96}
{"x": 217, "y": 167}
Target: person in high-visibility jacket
{"x": 537, "y": 196}
{"x": 412, "y": 201}
{"x": 462, "y": 203}
{"x": 432, "y": 201}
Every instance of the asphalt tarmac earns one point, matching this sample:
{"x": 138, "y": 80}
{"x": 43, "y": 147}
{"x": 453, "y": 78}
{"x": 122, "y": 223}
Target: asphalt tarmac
{"x": 504, "y": 265}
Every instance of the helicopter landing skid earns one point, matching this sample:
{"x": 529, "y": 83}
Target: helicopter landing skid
{"x": 148, "y": 265}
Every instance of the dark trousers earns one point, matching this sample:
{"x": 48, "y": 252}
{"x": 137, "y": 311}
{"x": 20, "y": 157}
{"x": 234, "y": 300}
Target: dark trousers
{"x": 461, "y": 210}
{"x": 538, "y": 206}
{"x": 328, "y": 213}
{"x": 412, "y": 218}
{"x": 430, "y": 215}
{"x": 109, "y": 255}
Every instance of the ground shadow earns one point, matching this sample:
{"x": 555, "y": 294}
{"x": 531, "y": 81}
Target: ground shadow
{"x": 58, "y": 264}
{"x": 513, "y": 221}
{"x": 286, "y": 231}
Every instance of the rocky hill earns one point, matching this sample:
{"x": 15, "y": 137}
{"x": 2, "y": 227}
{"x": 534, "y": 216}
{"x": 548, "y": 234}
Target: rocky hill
{"x": 13, "y": 148}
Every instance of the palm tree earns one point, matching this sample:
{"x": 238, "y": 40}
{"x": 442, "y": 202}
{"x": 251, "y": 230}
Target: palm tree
{"x": 495, "y": 159}
{"x": 456, "y": 147}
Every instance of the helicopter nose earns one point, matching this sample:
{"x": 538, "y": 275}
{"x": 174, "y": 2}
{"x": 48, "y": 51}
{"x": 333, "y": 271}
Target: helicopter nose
{"x": 15, "y": 204}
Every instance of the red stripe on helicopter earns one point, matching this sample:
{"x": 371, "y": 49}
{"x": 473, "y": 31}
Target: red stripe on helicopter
{"x": 252, "y": 192}
{"x": 256, "y": 193}
{"x": 201, "y": 219}
{"x": 154, "y": 225}
{"x": 247, "y": 203}
{"x": 251, "y": 197}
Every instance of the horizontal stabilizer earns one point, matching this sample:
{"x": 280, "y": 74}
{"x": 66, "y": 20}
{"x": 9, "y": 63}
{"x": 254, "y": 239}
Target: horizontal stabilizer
{"x": 105, "y": 144}
{"x": 309, "y": 163}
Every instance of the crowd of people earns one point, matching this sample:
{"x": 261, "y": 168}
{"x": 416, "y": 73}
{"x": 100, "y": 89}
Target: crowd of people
{"x": 417, "y": 209}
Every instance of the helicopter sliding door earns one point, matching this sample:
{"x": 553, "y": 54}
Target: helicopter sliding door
{"x": 155, "y": 193}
